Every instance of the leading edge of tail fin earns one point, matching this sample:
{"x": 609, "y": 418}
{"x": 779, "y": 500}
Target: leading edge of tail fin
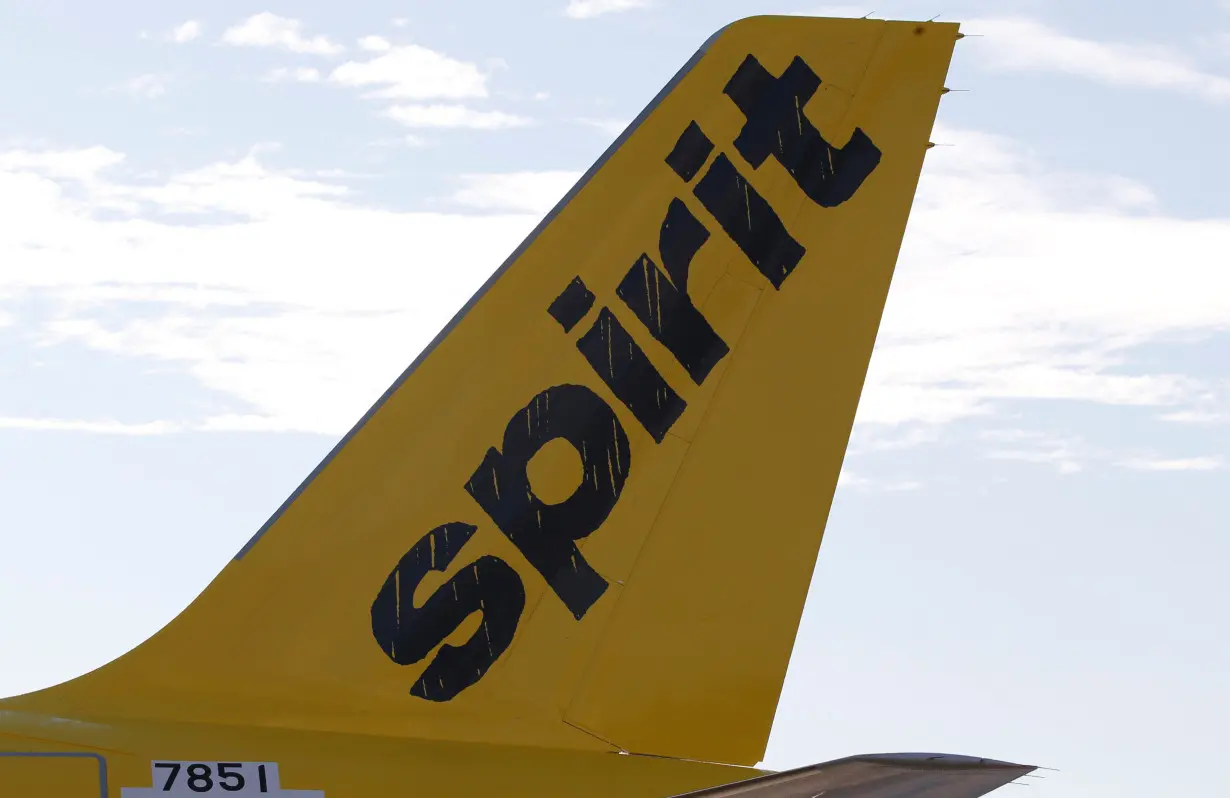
{"x": 587, "y": 516}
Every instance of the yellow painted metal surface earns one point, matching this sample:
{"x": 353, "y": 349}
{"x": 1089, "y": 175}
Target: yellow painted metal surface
{"x": 636, "y": 588}
{"x": 49, "y": 774}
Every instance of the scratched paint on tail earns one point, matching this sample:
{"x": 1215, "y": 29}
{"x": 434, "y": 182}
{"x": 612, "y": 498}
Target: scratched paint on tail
{"x": 661, "y": 301}
{"x": 776, "y": 127}
{"x": 547, "y": 533}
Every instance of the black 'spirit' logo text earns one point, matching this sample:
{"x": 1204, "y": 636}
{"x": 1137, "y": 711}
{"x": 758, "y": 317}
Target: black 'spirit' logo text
{"x": 657, "y": 294}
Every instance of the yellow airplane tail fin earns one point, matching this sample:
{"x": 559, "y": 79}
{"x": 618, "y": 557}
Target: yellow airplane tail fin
{"x": 587, "y": 515}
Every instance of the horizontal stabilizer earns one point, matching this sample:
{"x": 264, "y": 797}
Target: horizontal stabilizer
{"x": 880, "y": 776}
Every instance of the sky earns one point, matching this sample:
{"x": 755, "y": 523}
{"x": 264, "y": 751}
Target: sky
{"x": 216, "y": 221}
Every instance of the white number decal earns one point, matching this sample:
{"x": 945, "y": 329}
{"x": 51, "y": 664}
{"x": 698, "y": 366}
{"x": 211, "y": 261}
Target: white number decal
{"x": 216, "y": 779}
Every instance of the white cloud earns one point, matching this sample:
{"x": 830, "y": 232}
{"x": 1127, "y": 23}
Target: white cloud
{"x": 296, "y": 75}
{"x": 274, "y": 302}
{"x": 1195, "y": 417}
{"x": 106, "y": 427}
{"x": 1070, "y": 455}
{"x": 375, "y": 44}
{"x": 179, "y": 131}
{"x": 245, "y": 188}
{"x": 78, "y": 165}
{"x": 586, "y": 9}
{"x": 871, "y": 438}
{"x": 1066, "y": 455}
{"x": 220, "y": 423}
{"x": 1017, "y": 283}
{"x": 849, "y": 479}
{"x": 453, "y": 116}
{"x": 1014, "y": 283}
{"x": 1178, "y": 464}
{"x": 270, "y": 30}
{"x": 609, "y": 126}
{"x": 146, "y": 87}
{"x": 519, "y": 192}
{"x": 411, "y": 72}
{"x": 839, "y": 10}
{"x": 408, "y": 140}
{"x": 1214, "y": 44}
{"x": 1021, "y": 44}
{"x": 184, "y": 32}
